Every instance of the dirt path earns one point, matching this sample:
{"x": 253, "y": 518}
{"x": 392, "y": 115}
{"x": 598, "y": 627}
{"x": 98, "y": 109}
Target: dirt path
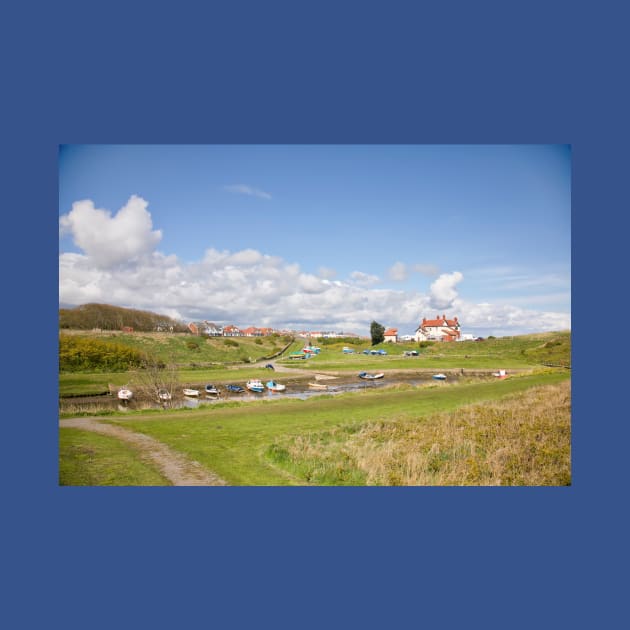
{"x": 178, "y": 469}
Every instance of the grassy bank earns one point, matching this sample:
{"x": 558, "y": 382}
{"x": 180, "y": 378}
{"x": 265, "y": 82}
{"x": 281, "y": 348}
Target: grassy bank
{"x": 89, "y": 459}
{"x": 522, "y": 440}
{"x": 241, "y": 442}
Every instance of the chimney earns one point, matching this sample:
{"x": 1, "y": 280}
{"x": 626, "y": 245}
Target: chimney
{"x": 443, "y": 316}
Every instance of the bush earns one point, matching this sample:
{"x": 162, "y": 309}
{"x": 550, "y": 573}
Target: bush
{"x": 192, "y": 345}
{"x": 258, "y": 341}
{"x": 231, "y": 343}
{"x": 78, "y": 354}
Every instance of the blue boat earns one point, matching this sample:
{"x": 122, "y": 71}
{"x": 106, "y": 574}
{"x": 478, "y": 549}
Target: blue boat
{"x": 235, "y": 389}
{"x": 439, "y": 377}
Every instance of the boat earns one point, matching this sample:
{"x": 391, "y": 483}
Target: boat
{"x": 318, "y": 385}
{"x": 370, "y": 377}
{"x": 255, "y": 385}
{"x": 164, "y": 394}
{"x": 275, "y": 387}
{"x": 269, "y": 366}
{"x": 124, "y": 394}
{"x": 191, "y": 392}
{"x": 439, "y": 377}
{"x": 500, "y": 374}
{"x": 235, "y": 389}
{"x": 211, "y": 389}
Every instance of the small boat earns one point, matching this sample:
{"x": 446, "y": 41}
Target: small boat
{"x": 255, "y": 385}
{"x": 370, "y": 377}
{"x": 269, "y": 366}
{"x": 191, "y": 392}
{"x": 500, "y": 374}
{"x": 318, "y": 385}
{"x": 439, "y": 377}
{"x": 211, "y": 389}
{"x": 275, "y": 387}
{"x": 235, "y": 389}
{"x": 124, "y": 394}
{"x": 164, "y": 394}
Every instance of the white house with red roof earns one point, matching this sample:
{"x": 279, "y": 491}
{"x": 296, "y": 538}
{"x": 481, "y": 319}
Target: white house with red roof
{"x": 391, "y": 335}
{"x": 438, "y": 329}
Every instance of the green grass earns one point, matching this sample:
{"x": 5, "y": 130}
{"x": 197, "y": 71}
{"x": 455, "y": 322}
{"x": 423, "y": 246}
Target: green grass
{"x": 89, "y": 459}
{"x": 235, "y": 441}
{"x": 507, "y": 352}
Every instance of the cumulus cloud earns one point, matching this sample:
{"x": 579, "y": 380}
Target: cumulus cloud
{"x": 243, "y": 189}
{"x": 363, "y": 279}
{"x": 443, "y": 292}
{"x": 326, "y": 273}
{"x": 249, "y": 287}
{"x": 398, "y": 272}
{"x": 110, "y": 240}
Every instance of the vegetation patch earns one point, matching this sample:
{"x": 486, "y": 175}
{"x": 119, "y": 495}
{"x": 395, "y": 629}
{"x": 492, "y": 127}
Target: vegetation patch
{"x": 522, "y": 440}
{"x": 89, "y": 459}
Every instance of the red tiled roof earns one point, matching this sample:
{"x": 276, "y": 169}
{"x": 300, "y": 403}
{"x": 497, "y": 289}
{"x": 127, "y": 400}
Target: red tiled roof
{"x": 391, "y": 332}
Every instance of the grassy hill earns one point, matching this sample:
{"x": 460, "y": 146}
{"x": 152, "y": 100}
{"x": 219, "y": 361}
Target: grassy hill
{"x": 181, "y": 349}
{"x": 108, "y": 317}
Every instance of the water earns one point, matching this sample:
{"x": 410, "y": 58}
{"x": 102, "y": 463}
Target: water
{"x": 295, "y": 389}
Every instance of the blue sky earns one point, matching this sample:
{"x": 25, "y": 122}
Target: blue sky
{"x": 321, "y": 236}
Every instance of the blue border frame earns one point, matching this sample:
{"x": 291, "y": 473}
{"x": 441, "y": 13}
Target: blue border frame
{"x": 328, "y": 73}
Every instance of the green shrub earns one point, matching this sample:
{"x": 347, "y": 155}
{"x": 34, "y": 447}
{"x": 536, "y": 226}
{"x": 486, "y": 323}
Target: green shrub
{"x": 80, "y": 354}
{"x": 231, "y": 343}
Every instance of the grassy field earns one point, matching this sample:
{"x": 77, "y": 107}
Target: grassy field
{"x": 244, "y": 442}
{"x": 207, "y": 362}
{"x": 89, "y": 459}
{"x": 506, "y": 352}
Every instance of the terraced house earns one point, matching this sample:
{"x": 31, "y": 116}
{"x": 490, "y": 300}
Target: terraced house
{"x": 438, "y": 329}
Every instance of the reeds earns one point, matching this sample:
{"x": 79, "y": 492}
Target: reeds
{"x": 524, "y": 439}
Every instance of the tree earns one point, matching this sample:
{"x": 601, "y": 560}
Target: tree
{"x": 378, "y": 333}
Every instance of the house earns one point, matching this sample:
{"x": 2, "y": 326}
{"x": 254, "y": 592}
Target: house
{"x": 212, "y": 330}
{"x": 252, "y": 331}
{"x": 232, "y": 331}
{"x": 391, "y": 335}
{"x": 205, "y": 328}
{"x": 438, "y": 329}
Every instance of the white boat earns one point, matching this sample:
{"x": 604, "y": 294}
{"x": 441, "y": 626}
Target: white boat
{"x": 125, "y": 394}
{"x": 191, "y": 392}
{"x": 500, "y": 374}
{"x": 370, "y": 377}
{"x": 255, "y": 385}
{"x": 164, "y": 394}
{"x": 439, "y": 377}
{"x": 275, "y": 387}
{"x": 211, "y": 389}
{"x": 318, "y": 386}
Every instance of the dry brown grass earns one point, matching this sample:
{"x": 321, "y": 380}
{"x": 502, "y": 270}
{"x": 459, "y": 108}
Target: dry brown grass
{"x": 521, "y": 440}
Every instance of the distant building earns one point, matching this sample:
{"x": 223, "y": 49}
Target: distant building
{"x": 391, "y": 335}
{"x": 232, "y": 331}
{"x": 438, "y": 329}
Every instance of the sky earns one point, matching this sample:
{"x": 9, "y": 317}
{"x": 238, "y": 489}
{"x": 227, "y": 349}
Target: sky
{"x": 321, "y": 237}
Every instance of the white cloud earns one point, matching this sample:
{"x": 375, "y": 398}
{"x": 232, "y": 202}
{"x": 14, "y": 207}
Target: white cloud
{"x": 110, "y": 240}
{"x": 443, "y": 292}
{"x": 398, "y": 272}
{"x": 363, "y": 279}
{"x": 326, "y": 273}
{"x": 250, "y": 287}
{"x": 243, "y": 189}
